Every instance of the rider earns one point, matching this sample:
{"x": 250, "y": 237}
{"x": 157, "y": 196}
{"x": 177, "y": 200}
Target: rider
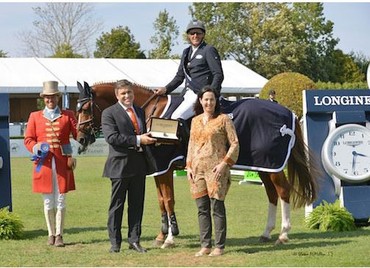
{"x": 200, "y": 65}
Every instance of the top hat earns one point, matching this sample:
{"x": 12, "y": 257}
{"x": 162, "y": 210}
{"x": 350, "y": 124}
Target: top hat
{"x": 50, "y": 88}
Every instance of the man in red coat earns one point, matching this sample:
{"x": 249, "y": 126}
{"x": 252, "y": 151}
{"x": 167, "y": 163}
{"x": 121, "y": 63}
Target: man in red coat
{"x": 47, "y": 138}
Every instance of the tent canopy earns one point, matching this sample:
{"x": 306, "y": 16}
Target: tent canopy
{"x": 26, "y": 75}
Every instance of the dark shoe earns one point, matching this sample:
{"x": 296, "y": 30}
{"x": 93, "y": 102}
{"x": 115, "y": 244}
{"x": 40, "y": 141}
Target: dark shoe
{"x": 51, "y": 240}
{"x": 59, "y": 241}
{"x": 174, "y": 228}
{"x": 137, "y": 247}
{"x": 115, "y": 249}
{"x": 164, "y": 228}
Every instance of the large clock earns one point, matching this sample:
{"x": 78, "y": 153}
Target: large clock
{"x": 346, "y": 153}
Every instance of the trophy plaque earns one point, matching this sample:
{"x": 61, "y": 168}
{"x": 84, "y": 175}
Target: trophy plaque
{"x": 164, "y": 130}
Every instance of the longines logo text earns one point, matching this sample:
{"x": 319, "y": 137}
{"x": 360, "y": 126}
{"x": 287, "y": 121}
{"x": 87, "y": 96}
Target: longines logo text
{"x": 341, "y": 100}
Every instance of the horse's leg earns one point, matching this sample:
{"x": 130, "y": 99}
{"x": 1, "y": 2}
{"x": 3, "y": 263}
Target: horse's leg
{"x": 283, "y": 189}
{"x": 272, "y": 207}
{"x": 161, "y": 236}
{"x": 169, "y": 202}
{"x": 165, "y": 191}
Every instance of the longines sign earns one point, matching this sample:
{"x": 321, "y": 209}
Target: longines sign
{"x": 318, "y": 101}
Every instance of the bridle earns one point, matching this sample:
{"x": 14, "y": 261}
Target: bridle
{"x": 94, "y": 129}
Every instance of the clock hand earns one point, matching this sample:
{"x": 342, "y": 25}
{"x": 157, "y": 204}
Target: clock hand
{"x": 359, "y": 154}
{"x": 354, "y": 160}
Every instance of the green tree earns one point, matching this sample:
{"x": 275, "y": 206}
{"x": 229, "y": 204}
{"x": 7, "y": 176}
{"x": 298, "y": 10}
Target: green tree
{"x": 361, "y": 61}
{"x": 271, "y": 38}
{"x": 166, "y": 32}
{"x": 119, "y": 43}
{"x": 346, "y": 69}
{"x": 65, "y": 51}
{"x": 258, "y": 35}
{"x": 59, "y": 24}
{"x": 3, "y": 54}
{"x": 316, "y": 33}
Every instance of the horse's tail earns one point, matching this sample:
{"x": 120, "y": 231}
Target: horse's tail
{"x": 302, "y": 172}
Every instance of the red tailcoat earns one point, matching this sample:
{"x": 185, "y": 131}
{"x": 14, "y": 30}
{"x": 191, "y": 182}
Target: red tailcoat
{"x": 56, "y": 133}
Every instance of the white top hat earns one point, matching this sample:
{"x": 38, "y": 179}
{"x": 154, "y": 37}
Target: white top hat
{"x": 50, "y": 88}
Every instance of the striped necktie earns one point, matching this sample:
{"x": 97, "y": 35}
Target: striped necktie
{"x": 132, "y": 115}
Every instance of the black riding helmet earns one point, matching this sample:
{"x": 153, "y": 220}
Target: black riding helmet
{"x": 195, "y": 24}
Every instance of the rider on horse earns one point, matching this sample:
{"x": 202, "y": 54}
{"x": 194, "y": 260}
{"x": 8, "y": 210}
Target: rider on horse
{"x": 200, "y": 65}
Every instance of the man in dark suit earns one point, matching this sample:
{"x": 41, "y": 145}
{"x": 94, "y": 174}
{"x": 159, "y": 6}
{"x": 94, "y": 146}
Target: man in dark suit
{"x": 129, "y": 161}
{"x": 200, "y": 65}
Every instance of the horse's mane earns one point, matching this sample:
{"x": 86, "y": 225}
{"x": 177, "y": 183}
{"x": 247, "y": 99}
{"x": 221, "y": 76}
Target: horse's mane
{"x": 100, "y": 83}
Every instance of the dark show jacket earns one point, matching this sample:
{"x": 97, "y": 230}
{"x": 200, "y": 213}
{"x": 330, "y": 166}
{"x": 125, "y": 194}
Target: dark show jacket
{"x": 119, "y": 133}
{"x": 204, "y": 68}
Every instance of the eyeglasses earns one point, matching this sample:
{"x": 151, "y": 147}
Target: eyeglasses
{"x": 197, "y": 33}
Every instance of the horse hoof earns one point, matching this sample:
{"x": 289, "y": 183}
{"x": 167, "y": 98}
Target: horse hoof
{"x": 158, "y": 243}
{"x": 164, "y": 227}
{"x": 168, "y": 244}
{"x": 281, "y": 241}
{"x": 264, "y": 239}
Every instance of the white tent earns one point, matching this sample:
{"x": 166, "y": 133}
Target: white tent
{"x": 25, "y": 75}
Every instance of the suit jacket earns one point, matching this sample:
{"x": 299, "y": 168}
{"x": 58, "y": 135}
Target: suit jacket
{"x": 56, "y": 132}
{"x": 204, "y": 68}
{"x": 124, "y": 160}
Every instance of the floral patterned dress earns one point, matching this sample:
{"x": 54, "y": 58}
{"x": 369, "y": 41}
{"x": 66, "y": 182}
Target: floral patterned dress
{"x": 209, "y": 144}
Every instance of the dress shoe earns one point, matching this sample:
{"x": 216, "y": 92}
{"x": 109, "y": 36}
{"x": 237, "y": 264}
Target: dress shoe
{"x": 203, "y": 252}
{"x": 164, "y": 228}
{"x": 137, "y": 247}
{"x": 59, "y": 241}
{"x": 51, "y": 240}
{"x": 217, "y": 252}
{"x": 174, "y": 227}
{"x": 115, "y": 249}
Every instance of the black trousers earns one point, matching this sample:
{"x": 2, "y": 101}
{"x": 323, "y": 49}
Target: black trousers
{"x": 206, "y": 207}
{"x": 134, "y": 189}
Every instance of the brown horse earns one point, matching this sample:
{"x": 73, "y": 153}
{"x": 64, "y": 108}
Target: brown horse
{"x": 298, "y": 189}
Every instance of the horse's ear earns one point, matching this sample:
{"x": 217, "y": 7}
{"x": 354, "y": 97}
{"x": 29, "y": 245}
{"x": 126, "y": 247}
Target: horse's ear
{"x": 79, "y": 86}
{"x": 87, "y": 89}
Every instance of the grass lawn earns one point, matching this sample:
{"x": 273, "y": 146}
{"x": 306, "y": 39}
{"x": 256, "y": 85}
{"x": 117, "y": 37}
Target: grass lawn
{"x": 87, "y": 241}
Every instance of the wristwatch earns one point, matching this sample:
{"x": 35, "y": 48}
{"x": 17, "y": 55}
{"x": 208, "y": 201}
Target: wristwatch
{"x": 346, "y": 153}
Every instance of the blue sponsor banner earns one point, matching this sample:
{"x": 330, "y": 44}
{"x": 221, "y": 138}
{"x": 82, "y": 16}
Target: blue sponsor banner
{"x": 322, "y": 101}
{"x": 345, "y": 106}
{"x": 5, "y": 185}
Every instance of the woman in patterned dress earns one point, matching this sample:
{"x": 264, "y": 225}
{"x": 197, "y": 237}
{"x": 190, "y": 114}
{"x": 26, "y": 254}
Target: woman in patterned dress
{"x": 213, "y": 149}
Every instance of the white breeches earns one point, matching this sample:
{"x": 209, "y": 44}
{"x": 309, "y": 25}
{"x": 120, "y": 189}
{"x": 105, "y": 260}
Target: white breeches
{"x": 55, "y": 200}
{"x": 185, "y": 109}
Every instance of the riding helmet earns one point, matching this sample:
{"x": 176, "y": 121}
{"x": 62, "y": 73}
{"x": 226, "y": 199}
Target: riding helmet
{"x": 195, "y": 24}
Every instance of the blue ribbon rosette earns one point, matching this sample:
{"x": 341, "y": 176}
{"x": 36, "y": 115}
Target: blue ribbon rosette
{"x": 41, "y": 154}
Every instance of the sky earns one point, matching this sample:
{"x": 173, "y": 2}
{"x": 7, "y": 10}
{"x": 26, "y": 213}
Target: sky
{"x": 351, "y": 22}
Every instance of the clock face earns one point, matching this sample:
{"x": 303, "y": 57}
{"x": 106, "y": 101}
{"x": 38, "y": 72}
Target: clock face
{"x": 346, "y": 153}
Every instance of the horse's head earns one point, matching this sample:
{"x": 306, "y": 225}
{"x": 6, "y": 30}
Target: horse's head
{"x": 87, "y": 128}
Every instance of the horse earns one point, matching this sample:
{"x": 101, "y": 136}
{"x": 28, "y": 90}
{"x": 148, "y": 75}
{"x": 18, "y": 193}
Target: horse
{"x": 296, "y": 189}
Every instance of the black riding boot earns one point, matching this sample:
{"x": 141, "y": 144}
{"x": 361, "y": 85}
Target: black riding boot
{"x": 174, "y": 227}
{"x": 164, "y": 223}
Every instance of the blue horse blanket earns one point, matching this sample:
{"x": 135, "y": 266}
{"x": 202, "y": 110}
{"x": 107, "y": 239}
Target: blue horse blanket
{"x": 266, "y": 136}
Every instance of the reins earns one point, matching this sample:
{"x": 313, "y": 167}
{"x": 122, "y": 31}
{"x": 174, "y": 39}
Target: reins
{"x": 153, "y": 109}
